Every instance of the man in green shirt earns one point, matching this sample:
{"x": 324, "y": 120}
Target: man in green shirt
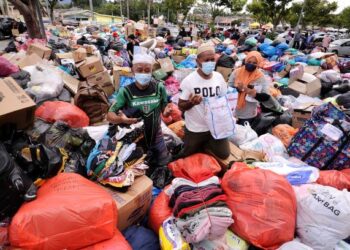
{"x": 149, "y": 99}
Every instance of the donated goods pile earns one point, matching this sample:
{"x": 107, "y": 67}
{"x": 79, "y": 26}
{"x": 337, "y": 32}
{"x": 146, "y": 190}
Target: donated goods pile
{"x": 70, "y": 180}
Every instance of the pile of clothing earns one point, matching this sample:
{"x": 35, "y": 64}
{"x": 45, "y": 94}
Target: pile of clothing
{"x": 116, "y": 161}
{"x": 200, "y": 209}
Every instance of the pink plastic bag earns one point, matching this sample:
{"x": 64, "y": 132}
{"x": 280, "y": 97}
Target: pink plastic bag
{"x": 172, "y": 86}
{"x": 7, "y": 68}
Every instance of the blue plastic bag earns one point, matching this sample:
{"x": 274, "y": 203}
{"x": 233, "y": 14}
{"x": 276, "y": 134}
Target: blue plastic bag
{"x": 263, "y": 46}
{"x": 189, "y": 62}
{"x": 302, "y": 59}
{"x": 269, "y": 51}
{"x": 125, "y": 81}
{"x": 282, "y": 46}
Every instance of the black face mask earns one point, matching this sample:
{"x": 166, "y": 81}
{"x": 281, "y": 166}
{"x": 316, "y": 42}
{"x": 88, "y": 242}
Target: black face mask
{"x": 250, "y": 67}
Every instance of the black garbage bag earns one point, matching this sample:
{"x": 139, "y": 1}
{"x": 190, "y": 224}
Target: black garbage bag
{"x": 161, "y": 176}
{"x": 22, "y": 77}
{"x": 37, "y": 132}
{"x": 285, "y": 118}
{"x": 344, "y": 100}
{"x": 11, "y": 47}
{"x": 76, "y": 164}
{"x": 15, "y": 186}
{"x": 263, "y": 123}
{"x": 225, "y": 61}
{"x": 83, "y": 40}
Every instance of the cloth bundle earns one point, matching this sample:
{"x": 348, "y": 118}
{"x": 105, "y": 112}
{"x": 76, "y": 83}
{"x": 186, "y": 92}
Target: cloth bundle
{"x": 116, "y": 161}
{"x": 200, "y": 209}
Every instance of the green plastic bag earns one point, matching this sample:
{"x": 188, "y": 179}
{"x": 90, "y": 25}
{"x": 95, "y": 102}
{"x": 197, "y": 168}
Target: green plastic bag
{"x": 251, "y": 41}
{"x": 159, "y": 74}
{"x": 314, "y": 62}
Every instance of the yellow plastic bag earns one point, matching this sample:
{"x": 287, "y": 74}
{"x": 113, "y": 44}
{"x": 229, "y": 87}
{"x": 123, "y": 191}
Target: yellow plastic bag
{"x": 170, "y": 237}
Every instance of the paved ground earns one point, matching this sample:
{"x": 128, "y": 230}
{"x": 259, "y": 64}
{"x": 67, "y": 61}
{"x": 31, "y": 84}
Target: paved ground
{"x": 3, "y": 44}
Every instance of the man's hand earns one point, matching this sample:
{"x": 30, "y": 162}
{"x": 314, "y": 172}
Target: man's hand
{"x": 195, "y": 99}
{"x": 168, "y": 110}
{"x": 250, "y": 92}
{"x": 125, "y": 119}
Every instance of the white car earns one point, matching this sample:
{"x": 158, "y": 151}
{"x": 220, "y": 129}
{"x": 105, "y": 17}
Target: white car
{"x": 340, "y": 47}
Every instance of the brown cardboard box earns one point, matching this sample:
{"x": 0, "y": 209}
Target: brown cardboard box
{"x": 166, "y": 65}
{"x": 301, "y": 115}
{"x": 129, "y": 29}
{"x": 187, "y": 39}
{"x": 23, "y": 60}
{"x": 89, "y": 48}
{"x": 313, "y": 70}
{"x": 71, "y": 83}
{"x": 296, "y": 73}
{"x": 15, "y": 105}
{"x": 90, "y": 66}
{"x": 120, "y": 71}
{"x": 15, "y": 32}
{"x": 79, "y": 54}
{"x": 133, "y": 204}
{"x": 68, "y": 55}
{"x": 225, "y": 72}
{"x": 178, "y": 59}
{"x": 308, "y": 85}
{"x": 104, "y": 80}
{"x": 40, "y": 50}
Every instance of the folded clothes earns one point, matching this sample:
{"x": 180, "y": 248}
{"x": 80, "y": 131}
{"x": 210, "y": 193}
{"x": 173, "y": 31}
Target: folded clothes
{"x": 181, "y": 181}
{"x": 194, "y": 197}
{"x": 194, "y": 211}
{"x": 185, "y": 188}
{"x": 210, "y": 223}
{"x": 208, "y": 203}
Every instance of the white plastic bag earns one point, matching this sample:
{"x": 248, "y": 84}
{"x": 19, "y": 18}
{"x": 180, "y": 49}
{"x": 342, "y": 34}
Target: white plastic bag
{"x": 268, "y": 144}
{"x": 296, "y": 174}
{"x": 219, "y": 117}
{"x": 323, "y": 215}
{"x": 46, "y": 82}
{"x": 243, "y": 134}
{"x": 330, "y": 76}
{"x": 294, "y": 245}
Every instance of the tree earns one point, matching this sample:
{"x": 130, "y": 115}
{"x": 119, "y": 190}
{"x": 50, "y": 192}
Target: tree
{"x": 234, "y": 5}
{"x": 52, "y": 5}
{"x": 345, "y": 17}
{"x": 316, "y": 12}
{"x": 27, "y": 8}
{"x": 269, "y": 10}
{"x": 179, "y": 6}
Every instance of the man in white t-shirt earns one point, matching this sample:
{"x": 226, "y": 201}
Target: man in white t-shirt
{"x": 204, "y": 82}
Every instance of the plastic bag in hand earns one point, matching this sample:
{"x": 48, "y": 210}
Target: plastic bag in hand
{"x": 243, "y": 134}
{"x": 46, "y": 82}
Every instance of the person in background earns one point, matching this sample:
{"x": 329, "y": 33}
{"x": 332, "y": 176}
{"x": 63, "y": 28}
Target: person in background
{"x": 183, "y": 33}
{"x": 242, "y": 39}
{"x": 326, "y": 41}
{"x": 297, "y": 38}
{"x": 149, "y": 99}
{"x": 130, "y": 46}
{"x": 235, "y": 35}
{"x": 204, "y": 82}
{"x": 262, "y": 36}
{"x": 252, "y": 86}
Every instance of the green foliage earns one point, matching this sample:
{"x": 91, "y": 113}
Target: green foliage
{"x": 109, "y": 9}
{"x": 234, "y": 5}
{"x": 316, "y": 12}
{"x": 345, "y": 17}
{"x": 85, "y": 3}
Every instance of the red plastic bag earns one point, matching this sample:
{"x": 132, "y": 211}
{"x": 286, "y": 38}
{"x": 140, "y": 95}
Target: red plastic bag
{"x": 159, "y": 211}
{"x": 178, "y": 128}
{"x": 6, "y": 67}
{"x": 117, "y": 242}
{"x": 263, "y": 205}
{"x": 70, "y": 212}
{"x": 335, "y": 178}
{"x": 197, "y": 167}
{"x": 62, "y": 111}
{"x": 175, "y": 116}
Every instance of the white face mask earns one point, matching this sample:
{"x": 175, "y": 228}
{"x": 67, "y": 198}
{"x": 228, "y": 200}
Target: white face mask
{"x": 143, "y": 78}
{"x": 208, "y": 67}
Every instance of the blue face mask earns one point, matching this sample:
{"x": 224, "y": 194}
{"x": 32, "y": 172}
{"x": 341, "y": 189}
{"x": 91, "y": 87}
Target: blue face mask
{"x": 208, "y": 67}
{"x": 143, "y": 79}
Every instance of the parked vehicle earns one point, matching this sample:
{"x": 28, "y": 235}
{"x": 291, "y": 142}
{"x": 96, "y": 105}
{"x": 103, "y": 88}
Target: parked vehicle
{"x": 340, "y": 47}
{"x": 7, "y": 24}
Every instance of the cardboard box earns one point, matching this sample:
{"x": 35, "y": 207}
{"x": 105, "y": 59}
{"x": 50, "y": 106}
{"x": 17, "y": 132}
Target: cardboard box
{"x": 40, "y": 50}
{"x": 118, "y": 72}
{"x": 133, "y": 204}
{"x": 187, "y": 39}
{"x": 89, "y": 48}
{"x": 90, "y": 66}
{"x": 166, "y": 65}
{"x": 68, "y": 55}
{"x": 308, "y": 85}
{"x": 71, "y": 83}
{"x": 79, "y": 54}
{"x": 301, "y": 115}
{"x": 178, "y": 59}
{"x": 16, "y": 107}
{"x": 225, "y": 72}
{"x": 296, "y": 73}
{"x": 23, "y": 60}
{"x": 313, "y": 70}
{"x": 15, "y": 32}
{"x": 104, "y": 80}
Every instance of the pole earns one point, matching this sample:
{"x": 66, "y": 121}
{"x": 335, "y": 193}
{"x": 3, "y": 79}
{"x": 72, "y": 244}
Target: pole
{"x": 121, "y": 10}
{"x": 149, "y": 13}
{"x": 91, "y": 9}
{"x": 127, "y": 9}
{"x": 297, "y": 29}
{"x": 168, "y": 17}
{"x": 48, "y": 10}
{"x": 41, "y": 24}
